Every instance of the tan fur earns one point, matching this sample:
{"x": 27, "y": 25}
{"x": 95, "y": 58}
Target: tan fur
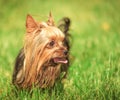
{"x": 36, "y": 69}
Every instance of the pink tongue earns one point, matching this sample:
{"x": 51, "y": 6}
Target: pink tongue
{"x": 60, "y": 60}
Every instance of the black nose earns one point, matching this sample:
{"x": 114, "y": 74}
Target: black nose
{"x": 65, "y": 52}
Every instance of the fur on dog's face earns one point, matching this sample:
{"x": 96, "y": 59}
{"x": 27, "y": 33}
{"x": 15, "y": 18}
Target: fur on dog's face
{"x": 55, "y": 46}
{"x": 46, "y": 43}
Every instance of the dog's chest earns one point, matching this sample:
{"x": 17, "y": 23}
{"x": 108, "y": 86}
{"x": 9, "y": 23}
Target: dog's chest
{"x": 48, "y": 76}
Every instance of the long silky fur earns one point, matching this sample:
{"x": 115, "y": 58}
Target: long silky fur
{"x": 42, "y": 77}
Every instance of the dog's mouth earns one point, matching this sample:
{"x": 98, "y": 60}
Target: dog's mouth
{"x": 60, "y": 60}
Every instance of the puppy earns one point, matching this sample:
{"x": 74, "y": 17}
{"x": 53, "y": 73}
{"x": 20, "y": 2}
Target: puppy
{"x": 45, "y": 54}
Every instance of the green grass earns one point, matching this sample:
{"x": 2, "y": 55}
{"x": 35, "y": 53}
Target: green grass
{"x": 95, "y": 70}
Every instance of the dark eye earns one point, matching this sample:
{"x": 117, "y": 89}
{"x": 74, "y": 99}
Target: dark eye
{"x": 52, "y": 43}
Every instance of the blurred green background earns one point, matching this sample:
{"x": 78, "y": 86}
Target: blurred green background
{"x": 95, "y": 29}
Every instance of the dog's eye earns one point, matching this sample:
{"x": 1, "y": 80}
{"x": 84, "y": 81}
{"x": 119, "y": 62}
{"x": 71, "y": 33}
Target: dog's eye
{"x": 52, "y": 43}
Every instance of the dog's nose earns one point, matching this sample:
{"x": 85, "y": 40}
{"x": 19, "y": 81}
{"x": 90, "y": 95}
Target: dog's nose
{"x": 65, "y": 52}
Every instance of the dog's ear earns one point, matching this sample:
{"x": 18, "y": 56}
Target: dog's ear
{"x": 64, "y": 25}
{"x": 50, "y": 21}
{"x": 31, "y": 25}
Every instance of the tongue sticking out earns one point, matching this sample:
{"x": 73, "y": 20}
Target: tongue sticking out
{"x": 60, "y": 60}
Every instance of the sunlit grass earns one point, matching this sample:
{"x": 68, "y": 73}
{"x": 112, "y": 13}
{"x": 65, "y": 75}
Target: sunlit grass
{"x": 95, "y": 62}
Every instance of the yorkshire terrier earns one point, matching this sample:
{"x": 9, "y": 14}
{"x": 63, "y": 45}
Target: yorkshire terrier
{"x": 45, "y": 54}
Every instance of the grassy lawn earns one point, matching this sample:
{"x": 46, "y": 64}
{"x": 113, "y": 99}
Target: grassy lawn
{"x": 94, "y": 72}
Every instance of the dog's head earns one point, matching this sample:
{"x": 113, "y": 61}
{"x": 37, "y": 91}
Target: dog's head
{"x": 45, "y": 43}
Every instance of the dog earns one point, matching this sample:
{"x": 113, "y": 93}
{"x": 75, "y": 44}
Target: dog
{"x": 45, "y": 54}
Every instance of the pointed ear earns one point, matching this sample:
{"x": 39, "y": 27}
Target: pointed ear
{"x": 31, "y": 25}
{"x": 50, "y": 21}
